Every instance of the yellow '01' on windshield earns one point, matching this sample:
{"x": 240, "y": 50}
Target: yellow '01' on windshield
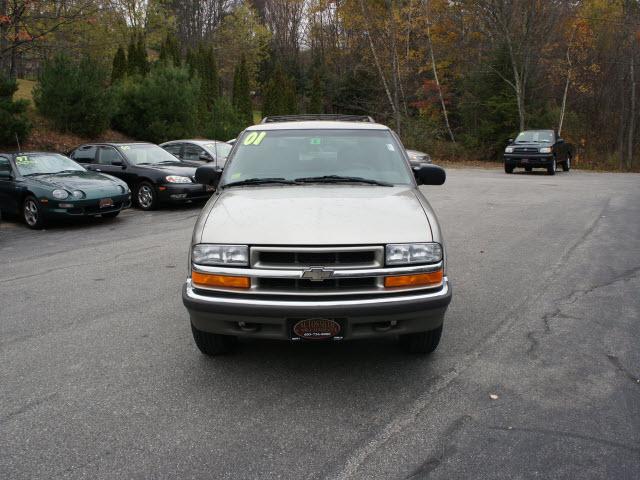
{"x": 254, "y": 138}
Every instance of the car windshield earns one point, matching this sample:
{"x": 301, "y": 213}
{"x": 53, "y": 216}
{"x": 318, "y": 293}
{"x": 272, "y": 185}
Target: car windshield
{"x": 220, "y": 150}
{"x": 292, "y": 155}
{"x": 145, "y": 154}
{"x": 38, "y": 164}
{"x": 535, "y": 136}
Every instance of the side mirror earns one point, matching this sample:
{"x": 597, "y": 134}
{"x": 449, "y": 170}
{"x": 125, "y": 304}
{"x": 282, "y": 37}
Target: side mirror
{"x": 511, "y": 140}
{"x": 560, "y": 140}
{"x": 208, "y": 175}
{"x": 430, "y": 175}
{"x": 117, "y": 163}
{"x": 205, "y": 157}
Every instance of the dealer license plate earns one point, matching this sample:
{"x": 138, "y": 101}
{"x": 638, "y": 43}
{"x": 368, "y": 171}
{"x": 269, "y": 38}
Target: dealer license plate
{"x": 106, "y": 202}
{"x": 316, "y": 329}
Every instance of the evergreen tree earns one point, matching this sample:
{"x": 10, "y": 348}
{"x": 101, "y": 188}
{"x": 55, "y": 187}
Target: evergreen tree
{"x": 119, "y": 65}
{"x": 13, "y": 120}
{"x": 279, "y": 96}
{"x": 141, "y": 53}
{"x": 208, "y": 72}
{"x": 241, "y": 93}
{"x": 316, "y": 103}
{"x": 132, "y": 58}
{"x": 170, "y": 51}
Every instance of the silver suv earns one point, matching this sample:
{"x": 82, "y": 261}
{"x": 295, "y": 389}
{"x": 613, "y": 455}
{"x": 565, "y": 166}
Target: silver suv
{"x": 317, "y": 231}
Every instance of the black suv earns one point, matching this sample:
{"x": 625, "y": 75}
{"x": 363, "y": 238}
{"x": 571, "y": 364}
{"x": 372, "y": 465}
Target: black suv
{"x": 153, "y": 174}
{"x": 538, "y": 149}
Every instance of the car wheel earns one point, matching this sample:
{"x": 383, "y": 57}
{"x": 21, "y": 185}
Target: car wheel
{"x": 566, "y": 166}
{"x": 508, "y": 168}
{"x": 213, "y": 344}
{"x": 32, "y": 213}
{"x": 146, "y": 197}
{"x": 111, "y": 214}
{"x": 551, "y": 169}
{"x": 421, "y": 342}
{"x": 528, "y": 169}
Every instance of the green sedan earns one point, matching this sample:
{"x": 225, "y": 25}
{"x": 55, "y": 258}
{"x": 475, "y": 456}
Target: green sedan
{"x": 43, "y": 186}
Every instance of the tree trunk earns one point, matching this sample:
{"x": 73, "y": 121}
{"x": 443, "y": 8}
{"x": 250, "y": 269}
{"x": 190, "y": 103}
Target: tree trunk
{"x": 566, "y": 85}
{"x": 3, "y": 38}
{"x": 435, "y": 76}
{"x": 396, "y": 69}
{"x": 632, "y": 115}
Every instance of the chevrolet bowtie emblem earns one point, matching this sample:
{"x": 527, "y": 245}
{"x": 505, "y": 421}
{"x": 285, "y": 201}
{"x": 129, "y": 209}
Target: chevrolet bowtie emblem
{"x": 317, "y": 274}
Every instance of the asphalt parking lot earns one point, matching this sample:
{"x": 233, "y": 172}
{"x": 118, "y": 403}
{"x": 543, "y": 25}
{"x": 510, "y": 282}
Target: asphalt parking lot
{"x": 537, "y": 375}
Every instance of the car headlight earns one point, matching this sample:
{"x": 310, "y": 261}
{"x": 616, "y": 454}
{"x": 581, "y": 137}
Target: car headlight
{"x": 78, "y": 194}
{"x": 545, "y": 150}
{"x": 412, "y": 253}
{"x": 60, "y": 194}
{"x": 178, "y": 179}
{"x": 508, "y": 150}
{"x": 231, "y": 255}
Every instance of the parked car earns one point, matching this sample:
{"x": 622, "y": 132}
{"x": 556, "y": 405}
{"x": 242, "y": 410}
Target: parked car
{"x": 153, "y": 174}
{"x": 202, "y": 151}
{"x": 538, "y": 149}
{"x": 41, "y": 186}
{"x": 417, "y": 158}
{"x": 317, "y": 231}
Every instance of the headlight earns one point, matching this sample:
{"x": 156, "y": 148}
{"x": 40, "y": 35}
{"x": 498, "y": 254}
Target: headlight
{"x": 78, "y": 194}
{"x": 508, "y": 150}
{"x": 545, "y": 150}
{"x": 411, "y": 253}
{"x": 231, "y": 255}
{"x": 178, "y": 179}
{"x": 60, "y": 194}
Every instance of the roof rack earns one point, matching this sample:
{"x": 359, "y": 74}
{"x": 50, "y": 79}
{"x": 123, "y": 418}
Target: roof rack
{"x": 315, "y": 117}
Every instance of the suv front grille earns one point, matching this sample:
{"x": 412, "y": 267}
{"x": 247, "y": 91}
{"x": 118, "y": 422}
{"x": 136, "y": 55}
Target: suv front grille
{"x": 308, "y": 285}
{"x": 525, "y": 150}
{"x": 332, "y": 257}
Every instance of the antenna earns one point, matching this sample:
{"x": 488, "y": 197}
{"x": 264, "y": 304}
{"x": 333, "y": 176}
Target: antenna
{"x": 18, "y": 142}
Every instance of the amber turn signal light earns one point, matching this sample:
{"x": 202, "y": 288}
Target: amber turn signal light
{"x": 209, "y": 280}
{"x": 419, "y": 280}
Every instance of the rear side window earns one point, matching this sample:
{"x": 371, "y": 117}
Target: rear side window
{"x": 108, "y": 155}
{"x": 85, "y": 154}
{"x": 192, "y": 152}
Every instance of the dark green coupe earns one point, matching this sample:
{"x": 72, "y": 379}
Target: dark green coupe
{"x": 42, "y": 186}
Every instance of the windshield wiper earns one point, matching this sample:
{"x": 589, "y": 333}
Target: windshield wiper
{"x": 260, "y": 181}
{"x": 342, "y": 179}
{"x": 37, "y": 173}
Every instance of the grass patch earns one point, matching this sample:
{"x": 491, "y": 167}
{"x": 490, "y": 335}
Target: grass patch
{"x": 25, "y": 91}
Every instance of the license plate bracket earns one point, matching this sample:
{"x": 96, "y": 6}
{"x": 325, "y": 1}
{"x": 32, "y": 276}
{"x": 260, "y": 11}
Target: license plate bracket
{"x": 106, "y": 202}
{"x": 315, "y": 329}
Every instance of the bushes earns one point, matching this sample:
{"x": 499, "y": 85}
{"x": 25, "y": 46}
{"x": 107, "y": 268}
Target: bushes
{"x": 75, "y": 96}
{"x": 159, "y": 107}
{"x": 225, "y": 121}
{"x": 12, "y": 114}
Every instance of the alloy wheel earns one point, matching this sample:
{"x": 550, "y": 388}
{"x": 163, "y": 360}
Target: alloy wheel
{"x": 30, "y": 212}
{"x": 145, "y": 196}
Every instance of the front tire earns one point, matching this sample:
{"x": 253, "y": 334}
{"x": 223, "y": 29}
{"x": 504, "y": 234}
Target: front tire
{"x": 508, "y": 168}
{"x": 146, "y": 197}
{"x": 213, "y": 344}
{"x": 528, "y": 169}
{"x": 551, "y": 169}
{"x": 566, "y": 166}
{"x": 32, "y": 213}
{"x": 421, "y": 342}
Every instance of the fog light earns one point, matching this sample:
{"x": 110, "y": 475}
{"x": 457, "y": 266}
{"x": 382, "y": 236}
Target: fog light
{"x": 420, "y": 280}
{"x": 179, "y": 196}
{"x": 209, "y": 280}
{"x": 66, "y": 205}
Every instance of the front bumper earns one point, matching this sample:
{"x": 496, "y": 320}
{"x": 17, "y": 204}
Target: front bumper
{"x": 182, "y": 192}
{"x": 533, "y": 160}
{"x": 83, "y": 208}
{"x": 363, "y": 317}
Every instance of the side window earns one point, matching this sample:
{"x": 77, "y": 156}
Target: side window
{"x": 192, "y": 152}
{"x": 173, "y": 149}
{"x": 5, "y": 166}
{"x": 85, "y": 154}
{"x": 108, "y": 155}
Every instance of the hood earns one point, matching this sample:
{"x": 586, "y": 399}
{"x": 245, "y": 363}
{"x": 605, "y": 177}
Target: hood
{"x": 80, "y": 180}
{"x": 316, "y": 215}
{"x": 531, "y": 145}
{"x": 186, "y": 169}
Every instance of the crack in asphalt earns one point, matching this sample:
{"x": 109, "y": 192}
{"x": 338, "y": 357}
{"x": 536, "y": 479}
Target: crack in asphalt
{"x": 28, "y": 406}
{"x": 615, "y": 361}
{"x": 560, "y": 433}
{"x": 447, "y": 450}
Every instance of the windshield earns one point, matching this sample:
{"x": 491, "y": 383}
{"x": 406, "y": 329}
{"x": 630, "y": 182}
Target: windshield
{"x": 219, "y": 150}
{"x": 45, "y": 164}
{"x": 295, "y": 154}
{"x": 535, "y": 136}
{"x": 144, "y": 154}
